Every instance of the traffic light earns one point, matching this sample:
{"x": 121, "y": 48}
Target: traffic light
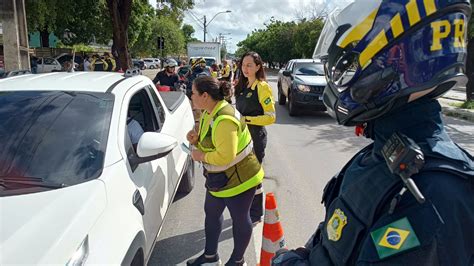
{"x": 161, "y": 43}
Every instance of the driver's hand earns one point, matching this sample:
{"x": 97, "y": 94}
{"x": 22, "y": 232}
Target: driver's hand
{"x": 192, "y": 137}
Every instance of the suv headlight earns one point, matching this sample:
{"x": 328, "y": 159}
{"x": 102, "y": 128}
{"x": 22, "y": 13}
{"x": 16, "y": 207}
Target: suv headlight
{"x": 303, "y": 88}
{"x": 79, "y": 257}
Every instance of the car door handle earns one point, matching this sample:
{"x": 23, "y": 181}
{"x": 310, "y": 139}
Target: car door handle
{"x": 138, "y": 202}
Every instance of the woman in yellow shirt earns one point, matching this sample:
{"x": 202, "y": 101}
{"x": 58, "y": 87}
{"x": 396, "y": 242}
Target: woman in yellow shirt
{"x": 232, "y": 171}
{"x": 254, "y": 100}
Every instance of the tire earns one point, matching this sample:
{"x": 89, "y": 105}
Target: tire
{"x": 291, "y": 106}
{"x": 281, "y": 97}
{"x": 138, "y": 259}
{"x": 187, "y": 181}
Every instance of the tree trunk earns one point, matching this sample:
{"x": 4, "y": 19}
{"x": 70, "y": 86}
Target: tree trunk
{"x": 470, "y": 70}
{"x": 120, "y": 11}
{"x": 44, "y": 37}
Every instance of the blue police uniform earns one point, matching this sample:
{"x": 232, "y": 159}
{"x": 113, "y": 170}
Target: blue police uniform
{"x": 361, "y": 229}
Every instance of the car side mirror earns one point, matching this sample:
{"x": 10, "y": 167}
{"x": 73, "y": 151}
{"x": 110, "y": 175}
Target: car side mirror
{"x": 152, "y": 146}
{"x": 153, "y": 143}
{"x": 286, "y": 73}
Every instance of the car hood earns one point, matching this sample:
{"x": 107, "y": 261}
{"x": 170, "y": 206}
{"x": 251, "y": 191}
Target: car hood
{"x": 311, "y": 80}
{"x": 48, "y": 227}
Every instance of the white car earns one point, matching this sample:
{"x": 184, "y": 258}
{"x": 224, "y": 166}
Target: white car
{"x": 48, "y": 64}
{"x": 74, "y": 190}
{"x": 150, "y": 63}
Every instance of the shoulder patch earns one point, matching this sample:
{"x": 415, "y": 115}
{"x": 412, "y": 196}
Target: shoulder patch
{"x": 267, "y": 100}
{"x": 394, "y": 238}
{"x": 336, "y": 224}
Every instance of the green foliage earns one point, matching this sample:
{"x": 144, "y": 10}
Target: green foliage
{"x": 188, "y": 32}
{"x": 78, "y": 47}
{"x": 464, "y": 105}
{"x": 306, "y": 37}
{"x": 85, "y": 21}
{"x": 282, "y": 41}
{"x": 81, "y": 19}
{"x": 169, "y": 30}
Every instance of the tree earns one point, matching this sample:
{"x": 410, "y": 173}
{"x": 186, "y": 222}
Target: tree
{"x": 188, "y": 32}
{"x": 306, "y": 37}
{"x": 54, "y": 16}
{"x": 120, "y": 11}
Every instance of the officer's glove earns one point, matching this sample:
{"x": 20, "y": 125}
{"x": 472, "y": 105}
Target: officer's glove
{"x": 297, "y": 257}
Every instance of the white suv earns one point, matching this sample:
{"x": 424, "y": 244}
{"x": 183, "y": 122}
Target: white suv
{"x": 74, "y": 188}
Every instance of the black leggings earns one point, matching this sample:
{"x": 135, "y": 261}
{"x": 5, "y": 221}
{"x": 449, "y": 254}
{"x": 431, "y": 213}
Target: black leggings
{"x": 259, "y": 138}
{"x": 241, "y": 225}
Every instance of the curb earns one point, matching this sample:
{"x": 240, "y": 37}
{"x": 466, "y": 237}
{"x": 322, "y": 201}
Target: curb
{"x": 458, "y": 112}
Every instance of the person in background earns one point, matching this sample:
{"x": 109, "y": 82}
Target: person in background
{"x": 237, "y": 70}
{"x": 111, "y": 65}
{"x": 168, "y": 76}
{"x": 225, "y": 71}
{"x": 254, "y": 100}
{"x": 214, "y": 70}
{"x": 34, "y": 64}
{"x": 98, "y": 64}
{"x": 87, "y": 63}
{"x": 232, "y": 171}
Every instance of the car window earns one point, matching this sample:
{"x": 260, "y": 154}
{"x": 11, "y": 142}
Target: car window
{"x": 49, "y": 61}
{"x": 289, "y": 65}
{"x": 141, "y": 110}
{"x": 158, "y": 106}
{"x": 54, "y": 135}
{"x": 309, "y": 69}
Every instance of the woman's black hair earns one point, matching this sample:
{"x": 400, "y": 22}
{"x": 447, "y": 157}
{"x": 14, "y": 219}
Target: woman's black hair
{"x": 218, "y": 90}
{"x": 243, "y": 80}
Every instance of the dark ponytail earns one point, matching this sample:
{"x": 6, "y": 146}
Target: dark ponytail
{"x": 217, "y": 90}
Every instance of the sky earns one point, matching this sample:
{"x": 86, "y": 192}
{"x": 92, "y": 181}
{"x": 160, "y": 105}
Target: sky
{"x": 245, "y": 16}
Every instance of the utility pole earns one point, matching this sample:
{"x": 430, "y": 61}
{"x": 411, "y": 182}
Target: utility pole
{"x": 205, "y": 29}
{"x": 15, "y": 35}
{"x": 205, "y": 24}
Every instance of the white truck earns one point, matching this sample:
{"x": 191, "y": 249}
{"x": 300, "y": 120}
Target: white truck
{"x": 210, "y": 51}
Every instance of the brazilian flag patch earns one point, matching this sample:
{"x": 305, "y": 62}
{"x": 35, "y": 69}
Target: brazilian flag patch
{"x": 394, "y": 238}
{"x": 267, "y": 101}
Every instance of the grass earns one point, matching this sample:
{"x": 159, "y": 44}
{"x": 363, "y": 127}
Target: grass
{"x": 465, "y": 105}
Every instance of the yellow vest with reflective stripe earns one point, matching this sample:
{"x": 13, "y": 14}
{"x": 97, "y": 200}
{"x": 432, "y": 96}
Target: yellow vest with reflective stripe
{"x": 245, "y": 171}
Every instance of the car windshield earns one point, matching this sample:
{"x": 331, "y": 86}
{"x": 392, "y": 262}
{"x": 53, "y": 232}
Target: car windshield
{"x": 57, "y": 136}
{"x": 309, "y": 69}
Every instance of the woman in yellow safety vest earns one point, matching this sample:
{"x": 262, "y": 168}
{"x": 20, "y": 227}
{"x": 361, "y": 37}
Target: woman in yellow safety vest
{"x": 232, "y": 171}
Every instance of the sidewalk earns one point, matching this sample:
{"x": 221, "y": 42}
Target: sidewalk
{"x": 456, "y": 96}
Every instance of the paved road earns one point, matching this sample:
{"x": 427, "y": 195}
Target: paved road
{"x": 302, "y": 154}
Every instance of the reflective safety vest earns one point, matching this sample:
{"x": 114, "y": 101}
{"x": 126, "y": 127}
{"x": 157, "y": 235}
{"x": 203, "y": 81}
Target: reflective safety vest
{"x": 244, "y": 172}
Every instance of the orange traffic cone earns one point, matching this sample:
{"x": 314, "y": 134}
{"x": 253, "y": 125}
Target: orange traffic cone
{"x": 273, "y": 238}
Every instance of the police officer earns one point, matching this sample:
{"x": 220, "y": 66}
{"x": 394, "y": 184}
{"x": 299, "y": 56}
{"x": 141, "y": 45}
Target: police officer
{"x": 254, "y": 100}
{"x": 225, "y": 71}
{"x": 98, "y": 63}
{"x": 386, "y": 63}
{"x": 111, "y": 65}
{"x": 198, "y": 68}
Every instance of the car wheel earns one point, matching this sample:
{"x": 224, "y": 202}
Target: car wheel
{"x": 291, "y": 106}
{"x": 281, "y": 97}
{"x": 187, "y": 181}
{"x": 138, "y": 259}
